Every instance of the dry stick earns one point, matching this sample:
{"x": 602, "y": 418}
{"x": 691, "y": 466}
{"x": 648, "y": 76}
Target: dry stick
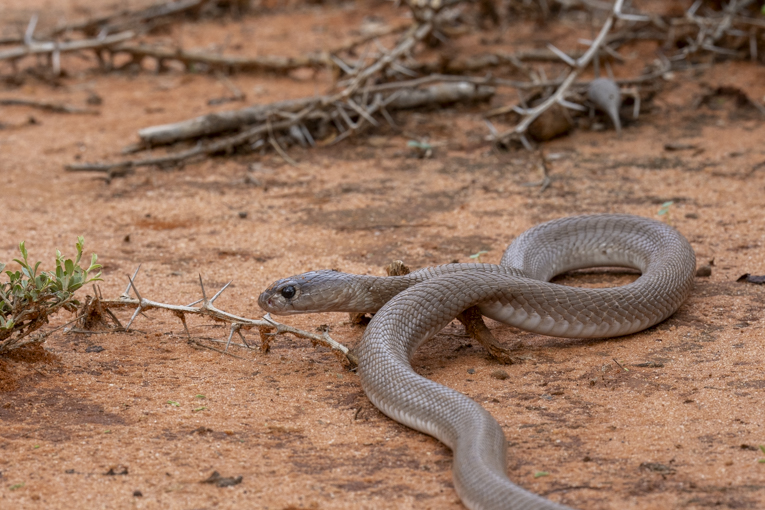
{"x": 37, "y": 48}
{"x": 480, "y": 62}
{"x": 95, "y": 25}
{"x": 230, "y": 63}
{"x": 581, "y": 64}
{"x": 220, "y": 122}
{"x": 208, "y": 309}
{"x": 52, "y": 107}
{"x": 268, "y": 63}
{"x": 220, "y": 145}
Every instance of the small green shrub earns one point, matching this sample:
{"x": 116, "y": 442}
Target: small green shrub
{"x": 29, "y": 296}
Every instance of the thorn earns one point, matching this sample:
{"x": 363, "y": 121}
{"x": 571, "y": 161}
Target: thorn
{"x": 239, "y": 332}
{"x": 135, "y": 314}
{"x": 492, "y": 129}
{"x": 201, "y": 284}
{"x": 526, "y": 143}
{"x": 212, "y": 299}
{"x": 195, "y": 302}
{"x": 234, "y": 327}
{"x": 182, "y": 317}
{"x": 132, "y": 284}
{"x": 28, "y": 39}
{"x": 127, "y": 289}
{"x": 561, "y": 55}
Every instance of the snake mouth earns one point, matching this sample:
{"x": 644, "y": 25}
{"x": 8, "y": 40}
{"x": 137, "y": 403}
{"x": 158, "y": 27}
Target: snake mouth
{"x": 273, "y": 303}
{"x": 266, "y": 303}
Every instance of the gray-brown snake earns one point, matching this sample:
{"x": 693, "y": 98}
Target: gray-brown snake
{"x": 413, "y": 308}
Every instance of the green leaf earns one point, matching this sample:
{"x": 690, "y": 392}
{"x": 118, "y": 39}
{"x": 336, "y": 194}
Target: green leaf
{"x": 540, "y": 474}
{"x": 664, "y": 209}
{"x": 23, "y": 250}
{"x": 16, "y": 486}
{"x": 173, "y": 403}
{"x": 93, "y": 265}
{"x": 762, "y": 447}
{"x": 69, "y": 266}
{"x": 80, "y": 244}
{"x": 419, "y": 145}
{"x": 196, "y": 410}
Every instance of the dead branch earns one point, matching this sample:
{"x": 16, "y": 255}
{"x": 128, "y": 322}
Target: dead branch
{"x": 215, "y": 123}
{"x": 206, "y": 149}
{"x": 37, "y": 48}
{"x": 267, "y": 327}
{"x": 352, "y": 111}
{"x": 117, "y": 22}
{"x": 228, "y": 63}
{"x": 270, "y": 63}
{"x": 51, "y": 107}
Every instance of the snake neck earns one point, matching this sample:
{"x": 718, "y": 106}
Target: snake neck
{"x": 333, "y": 291}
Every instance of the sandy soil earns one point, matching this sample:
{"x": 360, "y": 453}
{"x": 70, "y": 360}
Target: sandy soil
{"x": 668, "y": 418}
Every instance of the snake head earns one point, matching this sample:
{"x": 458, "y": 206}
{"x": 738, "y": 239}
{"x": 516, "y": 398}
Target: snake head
{"x": 304, "y": 293}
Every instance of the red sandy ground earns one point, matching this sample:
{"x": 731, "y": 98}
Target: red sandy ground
{"x": 679, "y": 429}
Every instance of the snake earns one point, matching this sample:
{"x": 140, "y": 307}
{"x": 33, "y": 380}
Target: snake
{"x": 412, "y": 308}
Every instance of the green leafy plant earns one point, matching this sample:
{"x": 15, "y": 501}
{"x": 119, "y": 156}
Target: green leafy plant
{"x": 30, "y": 296}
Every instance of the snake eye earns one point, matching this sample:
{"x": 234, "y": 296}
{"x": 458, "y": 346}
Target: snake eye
{"x": 288, "y": 292}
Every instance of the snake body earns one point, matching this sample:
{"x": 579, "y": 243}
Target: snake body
{"x": 413, "y": 308}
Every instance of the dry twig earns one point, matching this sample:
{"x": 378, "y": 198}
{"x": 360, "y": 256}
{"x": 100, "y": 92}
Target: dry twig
{"x": 56, "y": 48}
{"x": 51, "y": 107}
{"x": 267, "y": 327}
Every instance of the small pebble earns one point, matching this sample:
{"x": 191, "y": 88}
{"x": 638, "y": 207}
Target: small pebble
{"x": 704, "y": 271}
{"x": 500, "y": 374}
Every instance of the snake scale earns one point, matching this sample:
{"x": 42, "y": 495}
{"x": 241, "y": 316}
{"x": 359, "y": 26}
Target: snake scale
{"x": 413, "y": 308}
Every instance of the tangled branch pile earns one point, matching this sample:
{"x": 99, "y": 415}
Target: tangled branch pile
{"x": 374, "y": 79}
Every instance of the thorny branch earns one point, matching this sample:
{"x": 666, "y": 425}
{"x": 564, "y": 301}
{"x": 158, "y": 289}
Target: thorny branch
{"x": 267, "y": 327}
{"x": 381, "y": 80}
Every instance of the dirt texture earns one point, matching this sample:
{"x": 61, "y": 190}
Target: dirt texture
{"x": 669, "y": 418}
